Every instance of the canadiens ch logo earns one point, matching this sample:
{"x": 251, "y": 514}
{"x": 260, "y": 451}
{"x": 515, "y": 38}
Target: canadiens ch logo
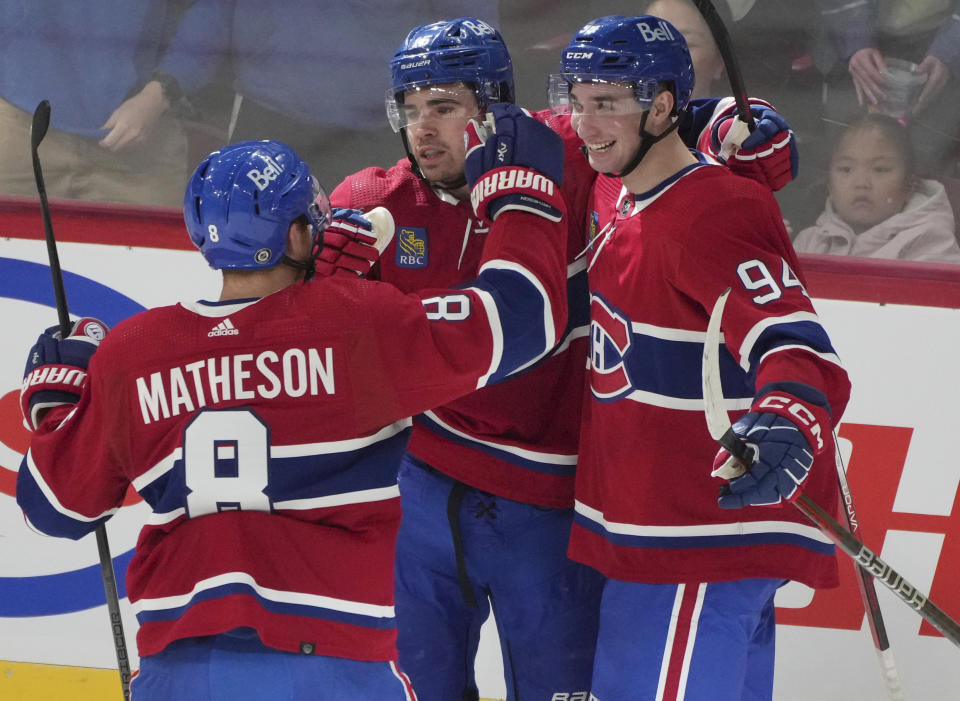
{"x": 412, "y": 248}
{"x": 611, "y": 336}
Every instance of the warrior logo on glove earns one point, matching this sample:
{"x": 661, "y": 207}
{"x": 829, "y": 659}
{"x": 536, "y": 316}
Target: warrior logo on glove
{"x": 57, "y": 368}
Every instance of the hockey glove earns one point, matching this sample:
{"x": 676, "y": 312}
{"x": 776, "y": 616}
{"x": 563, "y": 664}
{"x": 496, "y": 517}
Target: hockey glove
{"x": 57, "y": 368}
{"x": 514, "y": 162}
{"x": 768, "y": 155}
{"x": 784, "y": 434}
{"x": 353, "y": 241}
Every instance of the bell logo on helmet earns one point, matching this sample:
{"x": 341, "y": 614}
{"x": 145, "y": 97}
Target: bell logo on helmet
{"x": 479, "y": 28}
{"x": 660, "y": 33}
{"x": 263, "y": 178}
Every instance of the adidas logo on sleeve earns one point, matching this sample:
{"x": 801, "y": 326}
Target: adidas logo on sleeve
{"x": 224, "y": 328}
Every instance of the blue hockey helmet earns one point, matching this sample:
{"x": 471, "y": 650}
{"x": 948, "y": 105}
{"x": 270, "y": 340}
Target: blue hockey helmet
{"x": 642, "y": 51}
{"x": 463, "y": 50}
{"x": 241, "y": 201}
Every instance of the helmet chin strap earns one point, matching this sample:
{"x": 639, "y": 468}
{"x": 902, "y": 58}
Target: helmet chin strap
{"x": 307, "y": 266}
{"x": 647, "y": 140}
{"x": 415, "y": 169}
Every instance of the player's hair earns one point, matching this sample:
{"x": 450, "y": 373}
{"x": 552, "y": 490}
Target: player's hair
{"x": 892, "y": 131}
{"x": 241, "y": 201}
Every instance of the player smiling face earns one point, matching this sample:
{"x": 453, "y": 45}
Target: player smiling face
{"x": 606, "y": 117}
{"x": 435, "y": 118}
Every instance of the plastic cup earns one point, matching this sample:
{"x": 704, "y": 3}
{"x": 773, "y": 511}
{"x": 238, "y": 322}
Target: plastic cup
{"x": 903, "y": 87}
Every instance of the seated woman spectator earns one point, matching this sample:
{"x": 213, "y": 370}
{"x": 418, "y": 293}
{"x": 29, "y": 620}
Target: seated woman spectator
{"x": 877, "y": 207}
{"x": 707, "y": 63}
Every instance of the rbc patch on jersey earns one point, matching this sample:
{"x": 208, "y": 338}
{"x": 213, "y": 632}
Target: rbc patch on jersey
{"x": 412, "y": 247}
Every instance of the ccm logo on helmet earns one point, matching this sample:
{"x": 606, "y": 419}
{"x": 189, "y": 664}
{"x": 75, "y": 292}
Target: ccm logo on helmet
{"x": 262, "y": 178}
{"x": 659, "y": 33}
{"x": 797, "y": 410}
{"x": 579, "y": 54}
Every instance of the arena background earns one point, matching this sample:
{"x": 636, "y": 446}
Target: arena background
{"x": 896, "y": 324}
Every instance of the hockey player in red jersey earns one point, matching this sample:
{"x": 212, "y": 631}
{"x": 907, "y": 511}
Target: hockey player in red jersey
{"x": 264, "y": 430}
{"x": 487, "y": 484}
{"x": 688, "y": 607}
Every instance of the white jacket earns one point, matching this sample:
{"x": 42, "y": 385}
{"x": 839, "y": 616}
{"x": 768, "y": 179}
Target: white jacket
{"x": 924, "y": 230}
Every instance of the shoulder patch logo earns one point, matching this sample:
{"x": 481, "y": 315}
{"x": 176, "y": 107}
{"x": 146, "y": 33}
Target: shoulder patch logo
{"x": 413, "y": 250}
{"x": 593, "y": 229}
{"x": 224, "y": 328}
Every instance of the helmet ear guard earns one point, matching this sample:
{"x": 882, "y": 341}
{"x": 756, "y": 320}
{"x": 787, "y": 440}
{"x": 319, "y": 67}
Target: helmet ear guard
{"x": 241, "y": 200}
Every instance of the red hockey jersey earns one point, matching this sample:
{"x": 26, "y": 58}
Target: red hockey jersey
{"x": 646, "y": 505}
{"x": 517, "y": 439}
{"x": 265, "y": 436}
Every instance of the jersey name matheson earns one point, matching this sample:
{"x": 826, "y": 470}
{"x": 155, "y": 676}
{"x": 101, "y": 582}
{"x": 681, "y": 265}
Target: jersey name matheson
{"x": 295, "y": 372}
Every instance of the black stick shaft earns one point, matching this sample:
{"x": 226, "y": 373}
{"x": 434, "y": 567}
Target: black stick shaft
{"x": 725, "y": 46}
{"x": 865, "y": 581}
{"x": 41, "y": 122}
{"x": 868, "y": 594}
{"x": 879, "y": 569}
{"x": 861, "y": 554}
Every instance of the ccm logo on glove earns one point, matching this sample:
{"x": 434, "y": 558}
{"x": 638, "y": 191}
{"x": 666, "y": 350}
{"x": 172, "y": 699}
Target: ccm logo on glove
{"x": 795, "y": 409}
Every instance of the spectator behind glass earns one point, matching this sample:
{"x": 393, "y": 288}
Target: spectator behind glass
{"x": 925, "y": 32}
{"x": 877, "y": 207}
{"x": 112, "y": 72}
{"x": 290, "y": 85}
{"x": 707, "y": 63}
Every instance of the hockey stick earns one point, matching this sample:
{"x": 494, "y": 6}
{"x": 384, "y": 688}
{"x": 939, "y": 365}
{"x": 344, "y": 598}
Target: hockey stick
{"x": 745, "y": 123}
{"x": 868, "y": 594}
{"x": 718, "y": 425}
{"x": 38, "y": 130}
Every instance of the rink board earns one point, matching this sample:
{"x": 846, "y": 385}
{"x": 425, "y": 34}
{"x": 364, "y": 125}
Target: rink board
{"x": 898, "y": 434}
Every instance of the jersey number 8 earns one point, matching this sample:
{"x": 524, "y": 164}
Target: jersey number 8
{"x": 226, "y": 455}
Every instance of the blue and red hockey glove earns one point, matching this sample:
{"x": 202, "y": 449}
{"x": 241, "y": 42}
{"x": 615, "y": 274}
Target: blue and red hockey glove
{"x": 768, "y": 155}
{"x": 57, "y": 368}
{"x": 785, "y": 433}
{"x": 514, "y": 162}
{"x": 353, "y": 241}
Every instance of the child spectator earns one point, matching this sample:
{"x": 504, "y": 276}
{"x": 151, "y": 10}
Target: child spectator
{"x": 877, "y": 207}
